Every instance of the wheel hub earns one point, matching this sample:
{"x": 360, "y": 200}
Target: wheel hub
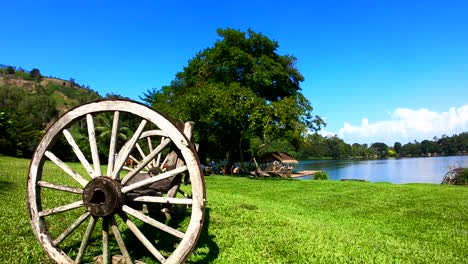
{"x": 102, "y": 196}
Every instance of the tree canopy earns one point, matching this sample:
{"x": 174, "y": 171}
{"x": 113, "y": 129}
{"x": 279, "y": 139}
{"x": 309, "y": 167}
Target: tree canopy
{"x": 242, "y": 95}
{"x": 35, "y": 74}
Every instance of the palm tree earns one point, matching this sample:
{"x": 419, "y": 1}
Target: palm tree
{"x": 104, "y": 133}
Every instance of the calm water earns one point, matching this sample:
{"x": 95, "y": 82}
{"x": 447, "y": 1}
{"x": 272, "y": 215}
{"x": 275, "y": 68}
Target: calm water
{"x": 405, "y": 170}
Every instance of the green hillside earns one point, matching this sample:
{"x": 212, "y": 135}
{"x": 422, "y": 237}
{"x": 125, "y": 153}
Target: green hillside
{"x": 64, "y": 94}
{"x": 30, "y": 102}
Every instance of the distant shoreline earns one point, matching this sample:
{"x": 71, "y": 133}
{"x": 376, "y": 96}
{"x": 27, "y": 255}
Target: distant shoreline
{"x": 385, "y": 158}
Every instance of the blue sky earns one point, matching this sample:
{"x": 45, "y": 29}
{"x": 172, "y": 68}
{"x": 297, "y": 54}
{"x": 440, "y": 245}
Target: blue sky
{"x": 377, "y": 71}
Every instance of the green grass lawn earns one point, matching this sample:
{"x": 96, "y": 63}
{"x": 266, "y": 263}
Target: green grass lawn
{"x": 291, "y": 221}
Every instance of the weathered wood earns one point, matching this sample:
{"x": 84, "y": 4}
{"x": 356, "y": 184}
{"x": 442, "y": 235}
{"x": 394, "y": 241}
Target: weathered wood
{"x": 105, "y": 240}
{"x": 137, "y": 161}
{"x": 150, "y": 148}
{"x": 161, "y": 129}
{"x": 143, "y": 155}
{"x": 144, "y": 240}
{"x": 145, "y": 162}
{"x": 79, "y": 154}
{"x": 66, "y": 168}
{"x": 59, "y": 187}
{"x": 113, "y": 143}
{"x": 163, "y": 200}
{"x": 154, "y": 179}
{"x": 188, "y": 131}
{"x": 71, "y": 228}
{"x": 153, "y": 222}
{"x": 93, "y": 145}
{"x": 120, "y": 242}
{"x": 62, "y": 208}
{"x": 125, "y": 152}
{"x": 85, "y": 241}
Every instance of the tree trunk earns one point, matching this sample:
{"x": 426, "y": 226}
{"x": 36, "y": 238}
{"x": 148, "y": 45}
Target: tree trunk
{"x": 256, "y": 164}
{"x": 241, "y": 154}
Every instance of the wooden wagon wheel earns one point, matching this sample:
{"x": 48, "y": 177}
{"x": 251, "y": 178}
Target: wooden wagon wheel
{"x": 63, "y": 196}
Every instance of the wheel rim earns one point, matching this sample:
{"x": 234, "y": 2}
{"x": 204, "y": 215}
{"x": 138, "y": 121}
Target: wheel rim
{"x": 108, "y": 195}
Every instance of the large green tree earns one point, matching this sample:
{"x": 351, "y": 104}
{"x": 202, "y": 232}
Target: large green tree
{"x": 236, "y": 91}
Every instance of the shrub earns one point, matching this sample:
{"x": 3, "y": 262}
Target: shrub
{"x": 320, "y": 175}
{"x": 35, "y": 74}
{"x": 464, "y": 175}
{"x": 10, "y": 70}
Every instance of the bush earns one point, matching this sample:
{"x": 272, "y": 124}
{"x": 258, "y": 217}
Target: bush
{"x": 464, "y": 175}
{"x": 320, "y": 175}
{"x": 10, "y": 70}
{"x": 35, "y": 74}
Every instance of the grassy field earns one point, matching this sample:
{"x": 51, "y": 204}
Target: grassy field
{"x": 291, "y": 221}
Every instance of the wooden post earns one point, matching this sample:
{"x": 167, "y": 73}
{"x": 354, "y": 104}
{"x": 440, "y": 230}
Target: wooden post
{"x": 188, "y": 131}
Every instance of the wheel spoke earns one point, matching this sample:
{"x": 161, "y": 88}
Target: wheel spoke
{"x": 153, "y": 222}
{"x": 113, "y": 143}
{"x": 62, "y": 208}
{"x": 146, "y": 167}
{"x": 145, "y": 161}
{"x": 139, "y": 161}
{"x": 125, "y": 152}
{"x": 154, "y": 179}
{"x": 120, "y": 242}
{"x": 79, "y": 154}
{"x": 165, "y": 160}
{"x": 140, "y": 150}
{"x": 59, "y": 187}
{"x": 143, "y": 155}
{"x": 174, "y": 189}
{"x": 150, "y": 148}
{"x": 150, "y": 145}
{"x": 163, "y": 200}
{"x": 105, "y": 240}
{"x": 127, "y": 168}
{"x": 71, "y": 228}
{"x": 143, "y": 239}
{"x": 66, "y": 168}
{"x": 86, "y": 237}
{"x": 134, "y": 159}
{"x": 158, "y": 161}
{"x": 93, "y": 145}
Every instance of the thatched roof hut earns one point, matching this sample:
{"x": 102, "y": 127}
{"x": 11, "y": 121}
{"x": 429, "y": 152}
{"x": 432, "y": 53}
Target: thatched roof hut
{"x": 277, "y": 156}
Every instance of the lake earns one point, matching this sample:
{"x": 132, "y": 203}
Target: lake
{"x": 404, "y": 170}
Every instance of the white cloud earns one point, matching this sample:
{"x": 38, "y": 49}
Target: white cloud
{"x": 406, "y": 125}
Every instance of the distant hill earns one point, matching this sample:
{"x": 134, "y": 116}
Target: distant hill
{"x": 30, "y": 102}
{"x": 64, "y": 94}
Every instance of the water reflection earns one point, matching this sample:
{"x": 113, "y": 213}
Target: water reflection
{"x": 405, "y": 170}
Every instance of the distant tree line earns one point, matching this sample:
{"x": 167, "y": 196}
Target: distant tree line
{"x": 318, "y": 146}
